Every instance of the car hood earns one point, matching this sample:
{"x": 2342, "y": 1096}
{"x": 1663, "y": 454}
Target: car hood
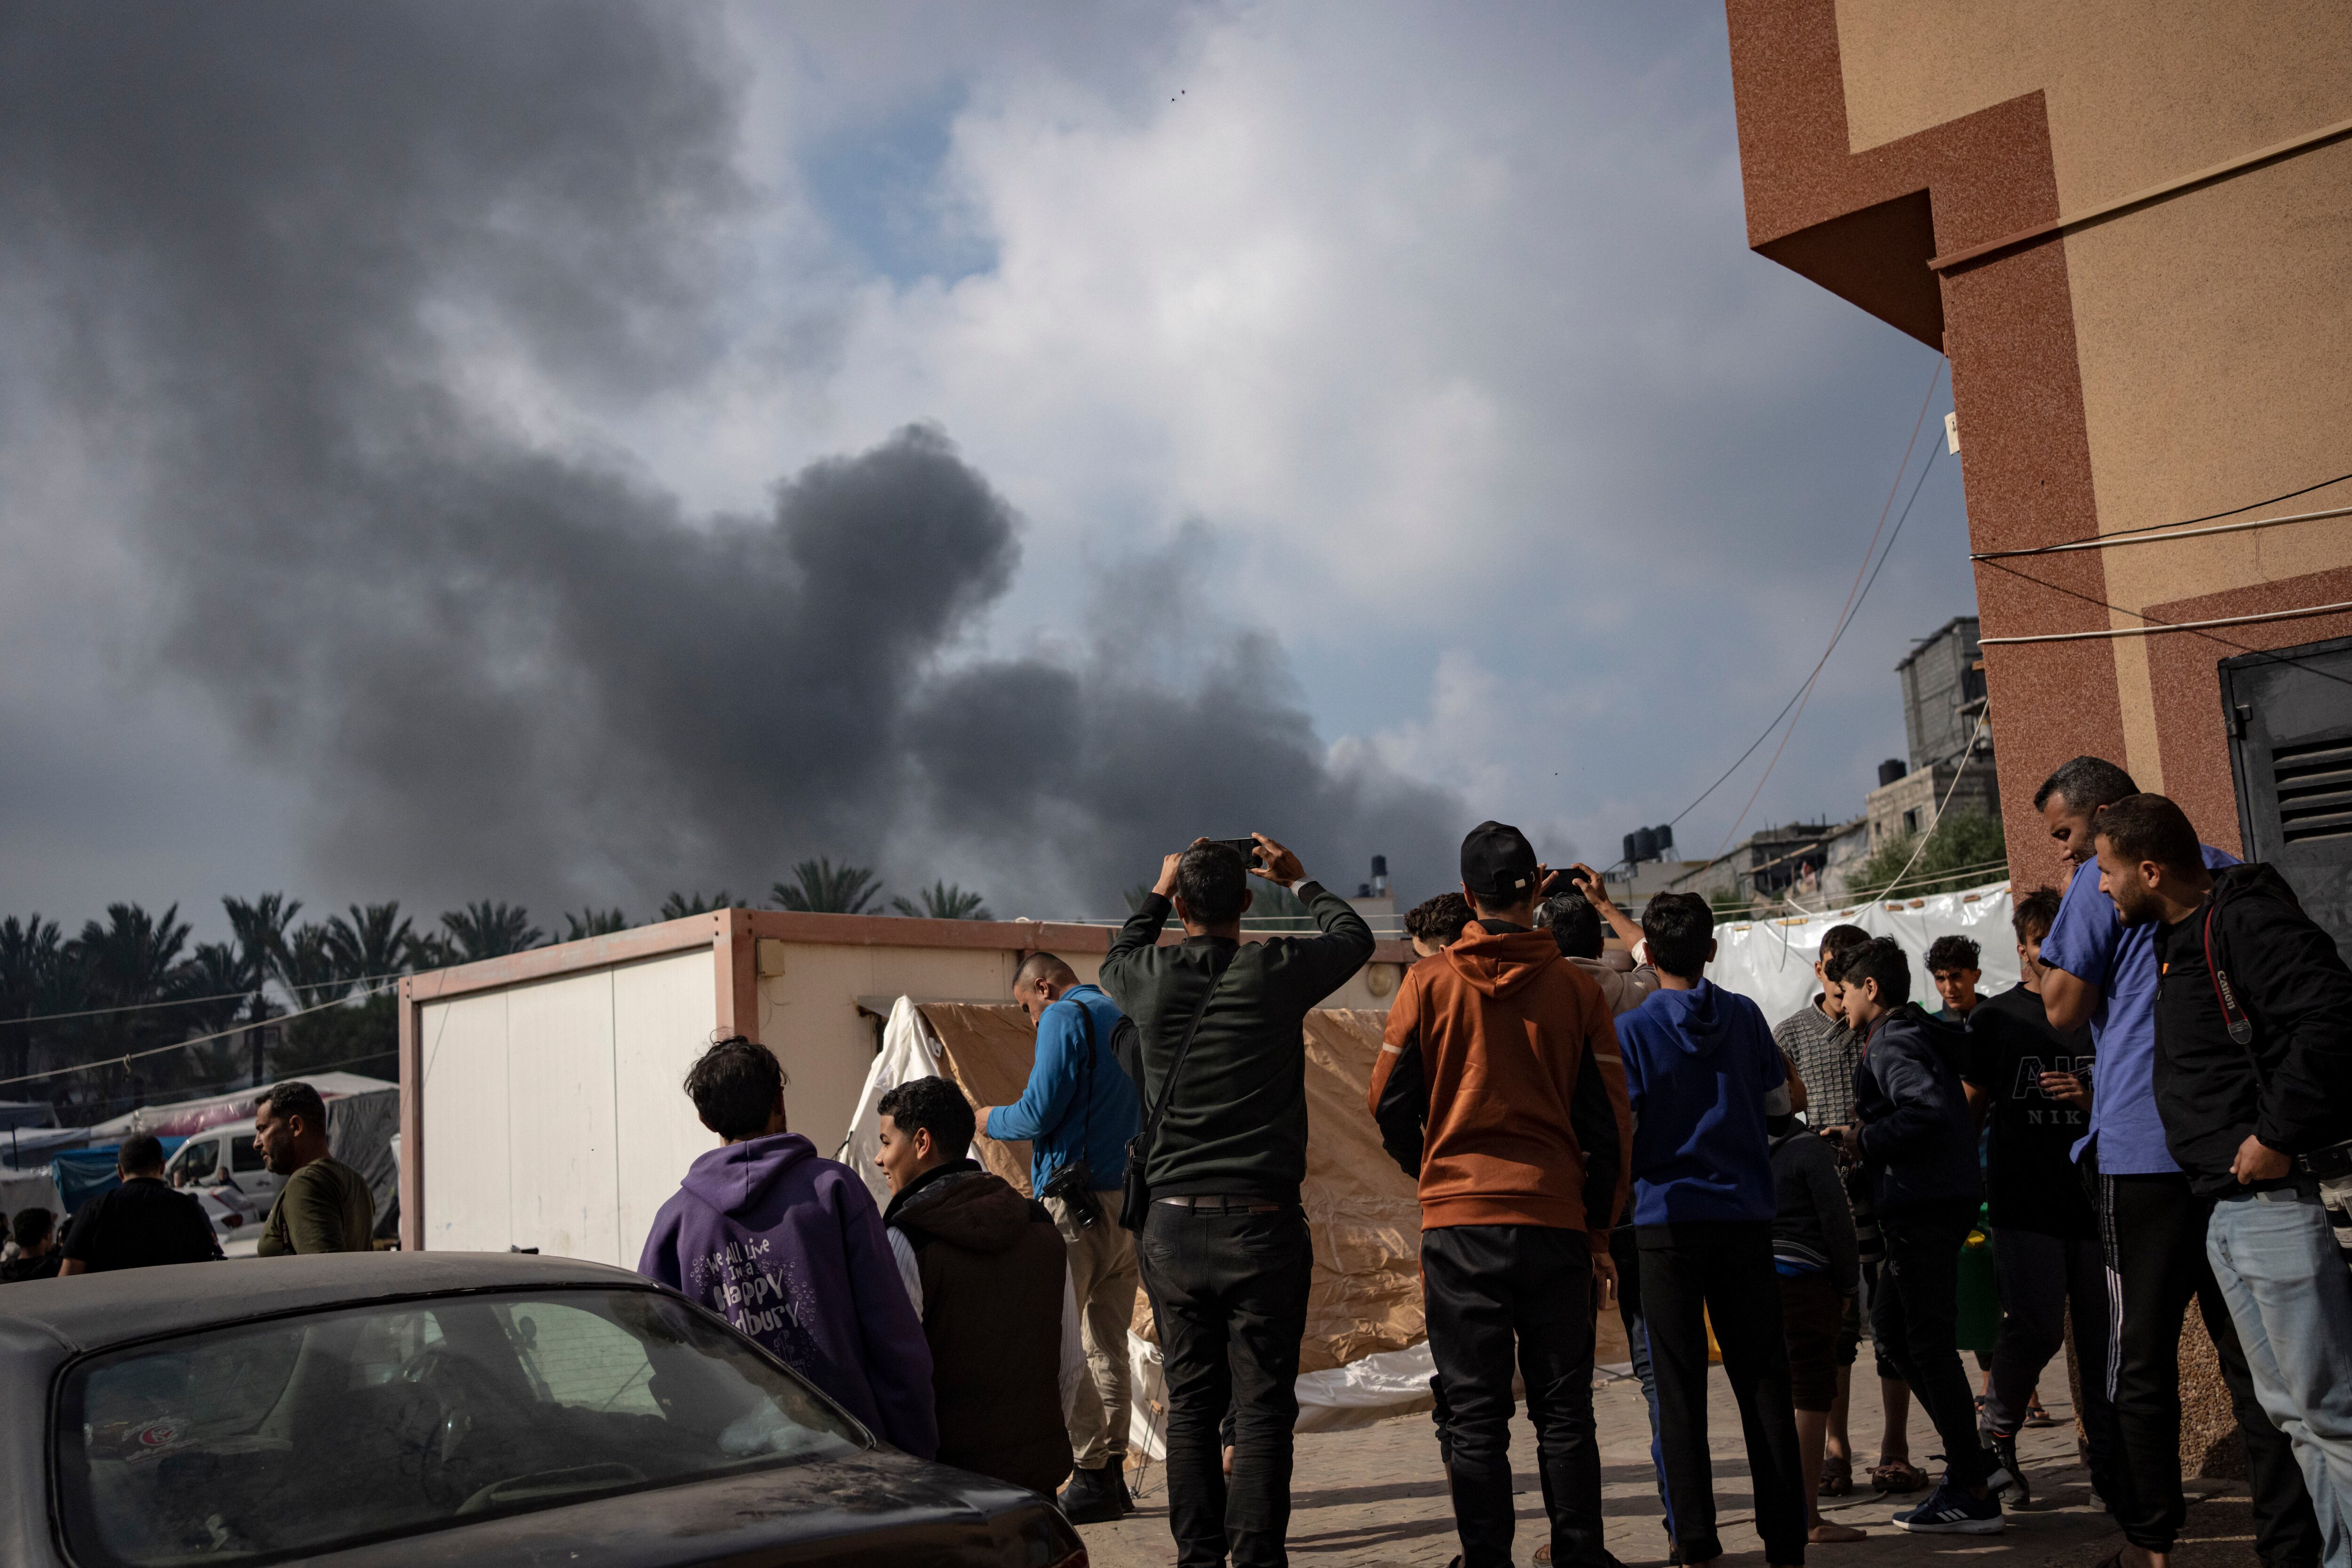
{"x": 875, "y": 1507}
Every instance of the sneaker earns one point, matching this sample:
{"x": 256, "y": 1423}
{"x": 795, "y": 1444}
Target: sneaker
{"x": 1950, "y": 1511}
{"x": 1092, "y": 1496}
{"x": 2007, "y": 1476}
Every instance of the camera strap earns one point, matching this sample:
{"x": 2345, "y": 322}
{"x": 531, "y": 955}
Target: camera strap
{"x": 2242, "y": 1029}
{"x": 1137, "y": 1189}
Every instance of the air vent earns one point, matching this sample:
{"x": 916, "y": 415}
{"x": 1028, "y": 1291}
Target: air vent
{"x": 2314, "y": 790}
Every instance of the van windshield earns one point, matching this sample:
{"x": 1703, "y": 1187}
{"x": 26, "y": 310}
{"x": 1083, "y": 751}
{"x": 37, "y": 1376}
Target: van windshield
{"x": 310, "y": 1434}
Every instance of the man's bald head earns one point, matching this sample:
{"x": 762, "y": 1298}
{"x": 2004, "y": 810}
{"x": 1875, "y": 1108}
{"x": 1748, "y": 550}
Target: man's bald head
{"x": 1040, "y": 980}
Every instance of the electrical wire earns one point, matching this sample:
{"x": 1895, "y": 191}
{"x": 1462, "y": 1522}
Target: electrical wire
{"x": 188, "y": 1001}
{"x": 1949, "y": 790}
{"x": 2160, "y": 527}
{"x": 1853, "y": 596}
{"x": 130, "y": 1057}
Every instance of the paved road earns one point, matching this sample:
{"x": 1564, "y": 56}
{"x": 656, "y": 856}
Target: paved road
{"x": 1376, "y": 1497}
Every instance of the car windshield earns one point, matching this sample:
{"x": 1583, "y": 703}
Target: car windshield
{"x": 310, "y": 1434}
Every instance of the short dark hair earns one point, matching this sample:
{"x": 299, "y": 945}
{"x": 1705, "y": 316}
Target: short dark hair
{"x": 1214, "y": 883}
{"x": 1040, "y": 966}
{"x": 1947, "y": 953}
{"x": 294, "y": 1098}
{"x": 1679, "y": 928}
{"x": 2035, "y": 914}
{"x": 1881, "y": 959}
{"x": 1836, "y": 943}
{"x": 140, "y": 1153}
{"x": 935, "y": 1106}
{"x": 1439, "y": 919}
{"x": 734, "y": 1085}
{"x": 1574, "y": 924}
{"x": 2150, "y": 828}
{"x": 2086, "y": 783}
{"x": 31, "y": 1224}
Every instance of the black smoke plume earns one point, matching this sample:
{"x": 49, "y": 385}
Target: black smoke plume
{"x": 246, "y": 249}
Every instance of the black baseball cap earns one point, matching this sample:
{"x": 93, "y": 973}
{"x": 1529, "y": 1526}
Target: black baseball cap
{"x": 1498, "y": 864}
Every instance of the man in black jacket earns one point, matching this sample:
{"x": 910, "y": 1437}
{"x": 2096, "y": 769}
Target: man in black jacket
{"x": 1918, "y": 1141}
{"x": 1225, "y": 1250}
{"x": 2254, "y": 1079}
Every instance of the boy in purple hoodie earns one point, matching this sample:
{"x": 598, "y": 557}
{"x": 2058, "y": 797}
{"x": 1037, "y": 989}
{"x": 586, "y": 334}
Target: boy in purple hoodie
{"x": 789, "y": 1248}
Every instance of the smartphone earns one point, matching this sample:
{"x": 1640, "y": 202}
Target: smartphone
{"x": 1248, "y": 848}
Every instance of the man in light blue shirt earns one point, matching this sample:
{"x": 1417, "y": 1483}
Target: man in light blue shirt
{"x": 1080, "y": 1107}
{"x": 2098, "y": 970}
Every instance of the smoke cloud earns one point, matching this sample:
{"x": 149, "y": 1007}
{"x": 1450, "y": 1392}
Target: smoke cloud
{"x": 296, "y": 271}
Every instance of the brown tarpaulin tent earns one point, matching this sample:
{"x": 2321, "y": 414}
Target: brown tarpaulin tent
{"x": 1360, "y": 1209}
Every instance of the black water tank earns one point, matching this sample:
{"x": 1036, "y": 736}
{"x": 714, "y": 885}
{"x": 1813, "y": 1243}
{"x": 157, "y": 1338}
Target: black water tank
{"x": 1893, "y": 770}
{"x": 1380, "y": 865}
{"x": 1628, "y": 849}
{"x": 1665, "y": 839}
{"x": 1645, "y": 843}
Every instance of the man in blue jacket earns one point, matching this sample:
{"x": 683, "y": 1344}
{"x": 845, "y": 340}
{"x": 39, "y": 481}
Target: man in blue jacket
{"x": 1917, "y": 1139}
{"x": 1077, "y": 1112}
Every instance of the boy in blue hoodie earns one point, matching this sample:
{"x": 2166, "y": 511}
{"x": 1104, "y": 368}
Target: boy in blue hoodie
{"x": 1702, "y": 1073}
{"x": 1917, "y": 1140}
{"x": 789, "y": 1248}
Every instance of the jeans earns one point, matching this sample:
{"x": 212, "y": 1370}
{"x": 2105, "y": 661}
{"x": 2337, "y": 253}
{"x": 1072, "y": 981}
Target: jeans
{"x": 2039, "y": 1277}
{"x": 1914, "y": 1318}
{"x": 1495, "y": 1294}
{"x": 1723, "y": 1270}
{"x": 1229, "y": 1292}
{"x": 2291, "y": 1300}
{"x": 1102, "y": 1279}
{"x": 1628, "y": 1257}
{"x": 2153, "y": 1227}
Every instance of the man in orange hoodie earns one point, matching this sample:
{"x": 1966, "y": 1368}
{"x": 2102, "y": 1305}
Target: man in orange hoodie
{"x": 1499, "y": 1088}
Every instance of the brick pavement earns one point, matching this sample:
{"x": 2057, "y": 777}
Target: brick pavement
{"x": 1376, "y": 1497}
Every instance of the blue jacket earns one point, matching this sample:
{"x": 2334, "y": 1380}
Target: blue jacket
{"x": 1053, "y": 1112}
{"x": 1699, "y": 1066}
{"x": 1917, "y": 1135}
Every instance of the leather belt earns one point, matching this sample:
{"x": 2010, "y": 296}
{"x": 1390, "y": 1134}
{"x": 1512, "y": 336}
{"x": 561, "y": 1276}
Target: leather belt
{"x": 1213, "y": 1203}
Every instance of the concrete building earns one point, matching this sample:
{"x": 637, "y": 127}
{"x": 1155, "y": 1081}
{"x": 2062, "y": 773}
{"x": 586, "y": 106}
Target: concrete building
{"x": 1912, "y": 804}
{"x": 1943, "y": 694}
{"x": 2129, "y": 233}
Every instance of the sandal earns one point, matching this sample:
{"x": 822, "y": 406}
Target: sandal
{"x": 1837, "y": 1475}
{"x": 2037, "y": 1416}
{"x": 1899, "y": 1476}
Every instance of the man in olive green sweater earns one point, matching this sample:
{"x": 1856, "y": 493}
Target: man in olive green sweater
{"x": 325, "y": 1205}
{"x": 1224, "y": 1247}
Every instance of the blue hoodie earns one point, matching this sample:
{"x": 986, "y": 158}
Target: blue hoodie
{"x": 1699, "y": 1066}
{"x": 789, "y": 1248}
{"x": 1060, "y": 1121}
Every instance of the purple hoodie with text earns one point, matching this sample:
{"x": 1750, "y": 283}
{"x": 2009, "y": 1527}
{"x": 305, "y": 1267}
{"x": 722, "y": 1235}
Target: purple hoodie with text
{"x": 788, "y": 1246}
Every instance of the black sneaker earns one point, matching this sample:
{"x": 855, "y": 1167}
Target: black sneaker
{"x": 1950, "y": 1511}
{"x": 2007, "y": 1476}
{"x": 1092, "y": 1496}
{"x": 1117, "y": 1469}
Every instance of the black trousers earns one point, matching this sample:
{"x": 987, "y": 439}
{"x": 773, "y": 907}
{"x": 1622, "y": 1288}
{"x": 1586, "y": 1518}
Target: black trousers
{"x": 1914, "y": 1320}
{"x": 1229, "y": 1292}
{"x": 1496, "y": 1294}
{"x": 1727, "y": 1271}
{"x": 2041, "y": 1279}
{"x": 2153, "y": 1228}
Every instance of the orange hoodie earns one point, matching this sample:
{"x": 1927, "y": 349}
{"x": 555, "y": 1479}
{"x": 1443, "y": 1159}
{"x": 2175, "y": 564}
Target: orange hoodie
{"x": 1501, "y": 1089}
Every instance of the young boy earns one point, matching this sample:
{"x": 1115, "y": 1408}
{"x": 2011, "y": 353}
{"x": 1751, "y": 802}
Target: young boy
{"x": 1917, "y": 1138}
{"x": 1820, "y": 1264}
{"x": 788, "y": 1246}
{"x": 1435, "y": 924}
{"x": 2026, "y": 1078}
{"x": 1702, "y": 1074}
{"x": 1955, "y": 964}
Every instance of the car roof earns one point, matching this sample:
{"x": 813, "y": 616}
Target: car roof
{"x": 91, "y": 1311}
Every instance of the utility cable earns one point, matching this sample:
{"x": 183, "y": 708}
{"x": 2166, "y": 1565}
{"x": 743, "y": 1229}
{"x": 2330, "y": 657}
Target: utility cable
{"x": 189, "y": 1001}
{"x": 1853, "y": 596}
{"x": 130, "y": 1057}
{"x": 2160, "y": 527}
{"x": 1949, "y": 790}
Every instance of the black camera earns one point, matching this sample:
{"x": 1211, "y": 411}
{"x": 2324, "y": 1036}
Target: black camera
{"x": 1074, "y": 1183}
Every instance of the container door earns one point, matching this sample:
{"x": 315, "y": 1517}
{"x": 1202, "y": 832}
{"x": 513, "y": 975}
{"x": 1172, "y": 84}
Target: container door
{"x": 2290, "y": 719}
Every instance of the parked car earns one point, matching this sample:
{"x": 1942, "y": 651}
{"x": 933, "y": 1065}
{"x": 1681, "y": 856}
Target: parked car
{"x": 226, "y": 1156}
{"x": 236, "y": 1223}
{"x": 390, "y": 1410}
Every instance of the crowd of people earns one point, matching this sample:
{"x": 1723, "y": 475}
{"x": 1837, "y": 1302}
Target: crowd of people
{"x": 143, "y": 1221}
{"x": 2149, "y": 1116}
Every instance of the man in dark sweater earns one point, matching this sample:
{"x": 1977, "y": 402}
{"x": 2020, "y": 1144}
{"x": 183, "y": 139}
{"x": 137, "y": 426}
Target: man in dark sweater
{"x": 2253, "y": 1080}
{"x": 1225, "y": 1255}
{"x": 140, "y": 1224}
{"x": 1918, "y": 1141}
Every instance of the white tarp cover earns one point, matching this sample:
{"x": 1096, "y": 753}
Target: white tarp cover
{"x": 907, "y": 1055}
{"x": 1771, "y": 961}
{"x": 183, "y": 1117}
{"x": 33, "y": 1189}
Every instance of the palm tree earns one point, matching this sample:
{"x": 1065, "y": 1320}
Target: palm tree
{"x": 33, "y": 973}
{"x": 677, "y": 906}
{"x": 260, "y": 929}
{"x": 484, "y": 929}
{"x": 945, "y": 901}
{"x": 376, "y": 940}
{"x": 130, "y": 961}
{"x": 307, "y": 968}
{"x": 819, "y": 886}
{"x": 594, "y": 922}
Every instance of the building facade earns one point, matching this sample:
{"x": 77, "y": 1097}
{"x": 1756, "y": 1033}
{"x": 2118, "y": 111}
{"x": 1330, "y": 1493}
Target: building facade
{"x": 2127, "y": 231}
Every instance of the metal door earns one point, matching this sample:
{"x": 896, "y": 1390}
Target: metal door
{"x": 2290, "y": 719}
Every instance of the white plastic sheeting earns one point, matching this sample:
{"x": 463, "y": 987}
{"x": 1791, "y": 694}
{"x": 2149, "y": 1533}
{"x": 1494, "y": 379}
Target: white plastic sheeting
{"x": 1771, "y": 961}
{"x": 907, "y": 1053}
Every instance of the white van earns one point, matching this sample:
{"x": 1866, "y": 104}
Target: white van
{"x": 224, "y": 1164}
